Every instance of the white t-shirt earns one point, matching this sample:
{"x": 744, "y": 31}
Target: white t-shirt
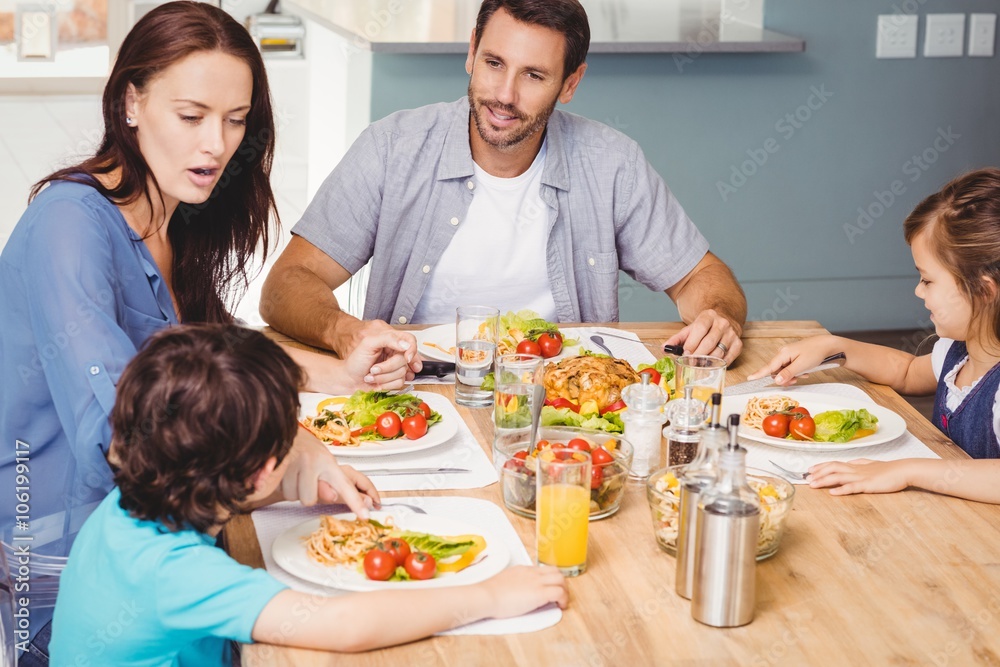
{"x": 497, "y": 256}
{"x": 955, "y": 395}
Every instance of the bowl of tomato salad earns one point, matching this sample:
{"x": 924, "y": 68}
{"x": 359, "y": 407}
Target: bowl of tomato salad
{"x": 610, "y": 454}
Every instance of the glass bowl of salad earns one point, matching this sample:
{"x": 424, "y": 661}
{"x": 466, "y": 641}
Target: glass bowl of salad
{"x": 611, "y": 457}
{"x": 775, "y": 494}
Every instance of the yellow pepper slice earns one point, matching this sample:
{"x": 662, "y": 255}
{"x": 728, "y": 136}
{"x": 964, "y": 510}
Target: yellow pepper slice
{"x": 465, "y": 560}
{"x": 332, "y": 403}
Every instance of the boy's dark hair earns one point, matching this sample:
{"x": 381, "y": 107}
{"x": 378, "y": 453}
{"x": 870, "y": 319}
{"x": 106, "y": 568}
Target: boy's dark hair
{"x": 198, "y": 413}
{"x": 565, "y": 16}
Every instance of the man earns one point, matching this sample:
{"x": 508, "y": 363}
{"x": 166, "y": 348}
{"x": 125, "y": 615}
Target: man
{"x": 501, "y": 200}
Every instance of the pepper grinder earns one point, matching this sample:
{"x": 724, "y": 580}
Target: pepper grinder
{"x": 686, "y": 416}
{"x": 699, "y": 475}
{"x": 727, "y": 527}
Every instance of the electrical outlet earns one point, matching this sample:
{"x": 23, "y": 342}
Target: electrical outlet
{"x": 944, "y": 36}
{"x": 982, "y": 34}
{"x": 897, "y": 36}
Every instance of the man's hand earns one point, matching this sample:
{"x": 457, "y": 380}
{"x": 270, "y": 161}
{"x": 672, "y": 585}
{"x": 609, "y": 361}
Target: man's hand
{"x": 313, "y": 475}
{"x": 386, "y": 359}
{"x": 710, "y": 334}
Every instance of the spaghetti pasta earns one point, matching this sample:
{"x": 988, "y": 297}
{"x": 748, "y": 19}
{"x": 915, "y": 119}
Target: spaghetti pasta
{"x": 341, "y": 542}
{"x": 760, "y": 407}
{"x": 332, "y": 428}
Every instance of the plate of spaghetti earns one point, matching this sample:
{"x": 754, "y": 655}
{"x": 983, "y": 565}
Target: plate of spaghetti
{"x": 321, "y": 415}
{"x": 329, "y": 550}
{"x": 753, "y": 408}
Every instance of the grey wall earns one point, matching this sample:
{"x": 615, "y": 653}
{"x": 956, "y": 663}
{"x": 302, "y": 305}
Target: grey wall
{"x": 782, "y": 227}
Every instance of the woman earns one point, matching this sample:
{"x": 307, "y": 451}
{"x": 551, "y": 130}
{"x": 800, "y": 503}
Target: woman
{"x": 159, "y": 227}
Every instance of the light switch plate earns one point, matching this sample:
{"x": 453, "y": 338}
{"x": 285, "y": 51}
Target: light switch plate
{"x": 897, "y": 36}
{"x": 982, "y": 34}
{"x": 944, "y": 36}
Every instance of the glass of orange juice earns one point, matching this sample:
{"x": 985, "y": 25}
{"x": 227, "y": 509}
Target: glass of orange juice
{"x": 562, "y": 509}
{"x": 706, "y": 375}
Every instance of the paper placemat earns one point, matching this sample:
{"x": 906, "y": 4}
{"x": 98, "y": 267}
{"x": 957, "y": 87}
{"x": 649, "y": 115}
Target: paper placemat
{"x": 905, "y": 446}
{"x": 462, "y": 451}
{"x": 633, "y": 352}
{"x": 270, "y": 522}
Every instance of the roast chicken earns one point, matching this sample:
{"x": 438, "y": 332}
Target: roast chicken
{"x": 582, "y": 379}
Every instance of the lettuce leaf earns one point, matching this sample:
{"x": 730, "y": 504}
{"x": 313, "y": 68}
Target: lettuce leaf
{"x": 530, "y": 325}
{"x": 610, "y": 422}
{"x": 364, "y": 407}
{"x": 436, "y": 546}
{"x": 841, "y": 425}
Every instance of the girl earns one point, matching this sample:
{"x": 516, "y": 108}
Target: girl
{"x": 160, "y": 226}
{"x": 955, "y": 239}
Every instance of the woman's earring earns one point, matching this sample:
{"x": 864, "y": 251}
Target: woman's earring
{"x": 129, "y": 121}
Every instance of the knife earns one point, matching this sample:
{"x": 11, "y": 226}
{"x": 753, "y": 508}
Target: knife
{"x": 436, "y": 368}
{"x": 410, "y": 471}
{"x": 833, "y": 361}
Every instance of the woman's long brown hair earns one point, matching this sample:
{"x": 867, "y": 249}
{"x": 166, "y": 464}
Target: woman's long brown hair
{"x": 213, "y": 242}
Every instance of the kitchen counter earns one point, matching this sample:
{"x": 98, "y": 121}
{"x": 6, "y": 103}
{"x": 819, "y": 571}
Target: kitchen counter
{"x": 617, "y": 26}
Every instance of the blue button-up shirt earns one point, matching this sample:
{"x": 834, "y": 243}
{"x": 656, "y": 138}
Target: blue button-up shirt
{"x": 407, "y": 182}
{"x": 79, "y": 293}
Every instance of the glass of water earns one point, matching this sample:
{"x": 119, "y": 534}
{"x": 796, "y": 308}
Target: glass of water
{"x": 515, "y": 380}
{"x": 476, "y": 342}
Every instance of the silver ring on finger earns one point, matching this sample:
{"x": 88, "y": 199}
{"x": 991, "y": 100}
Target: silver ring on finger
{"x": 722, "y": 346}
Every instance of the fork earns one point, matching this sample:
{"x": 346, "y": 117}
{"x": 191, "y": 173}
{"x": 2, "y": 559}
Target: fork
{"x": 404, "y": 390}
{"x": 801, "y": 476}
{"x": 413, "y": 508}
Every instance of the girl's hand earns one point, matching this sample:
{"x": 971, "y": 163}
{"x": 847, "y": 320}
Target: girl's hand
{"x": 797, "y": 357}
{"x": 518, "y": 590}
{"x": 860, "y": 476}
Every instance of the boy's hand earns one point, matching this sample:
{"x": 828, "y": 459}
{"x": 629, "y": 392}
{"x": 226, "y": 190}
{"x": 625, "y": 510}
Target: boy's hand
{"x": 313, "y": 475}
{"x": 383, "y": 360}
{"x": 859, "y": 476}
{"x": 518, "y": 590}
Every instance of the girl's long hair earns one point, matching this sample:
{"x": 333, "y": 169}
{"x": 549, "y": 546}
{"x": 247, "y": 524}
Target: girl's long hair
{"x": 213, "y": 242}
{"x": 963, "y": 221}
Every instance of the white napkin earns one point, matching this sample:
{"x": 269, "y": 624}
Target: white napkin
{"x": 905, "y": 446}
{"x": 270, "y": 522}
{"x": 462, "y": 451}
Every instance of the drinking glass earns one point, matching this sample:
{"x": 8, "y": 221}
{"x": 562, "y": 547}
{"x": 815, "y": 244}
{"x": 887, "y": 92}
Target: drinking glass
{"x": 476, "y": 341}
{"x": 706, "y": 375}
{"x": 516, "y": 376}
{"x": 562, "y": 510}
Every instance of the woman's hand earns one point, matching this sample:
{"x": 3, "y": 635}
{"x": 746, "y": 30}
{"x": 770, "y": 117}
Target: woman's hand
{"x": 798, "y": 357}
{"x": 313, "y": 475}
{"x": 860, "y": 476}
{"x": 383, "y": 360}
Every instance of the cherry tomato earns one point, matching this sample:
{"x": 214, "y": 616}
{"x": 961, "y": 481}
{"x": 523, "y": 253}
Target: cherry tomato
{"x": 797, "y": 412}
{"x": 654, "y": 375}
{"x": 522, "y": 455}
{"x": 415, "y": 427}
{"x": 515, "y": 465}
{"x": 596, "y": 477}
{"x": 579, "y": 444}
{"x": 803, "y": 428}
{"x": 614, "y": 407}
{"x": 543, "y": 444}
{"x": 388, "y": 425}
{"x": 398, "y": 548}
{"x": 426, "y": 410}
{"x": 550, "y": 344}
{"x": 559, "y": 403}
{"x": 600, "y": 456}
{"x": 420, "y": 565}
{"x": 379, "y": 565}
{"x": 775, "y": 425}
{"x": 529, "y": 347}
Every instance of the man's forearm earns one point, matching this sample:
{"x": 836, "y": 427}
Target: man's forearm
{"x": 297, "y": 303}
{"x": 713, "y": 287}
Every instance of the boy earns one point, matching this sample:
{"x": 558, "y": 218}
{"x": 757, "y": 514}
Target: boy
{"x": 203, "y": 420}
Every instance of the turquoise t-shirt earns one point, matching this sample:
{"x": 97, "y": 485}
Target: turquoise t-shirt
{"x": 134, "y": 593}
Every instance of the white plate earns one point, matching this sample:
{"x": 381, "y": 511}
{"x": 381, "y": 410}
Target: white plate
{"x": 890, "y": 425}
{"x": 437, "y": 434}
{"x": 443, "y": 336}
{"x": 289, "y": 552}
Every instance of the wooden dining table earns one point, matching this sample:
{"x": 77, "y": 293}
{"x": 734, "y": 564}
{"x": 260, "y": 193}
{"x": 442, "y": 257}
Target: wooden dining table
{"x": 910, "y": 578}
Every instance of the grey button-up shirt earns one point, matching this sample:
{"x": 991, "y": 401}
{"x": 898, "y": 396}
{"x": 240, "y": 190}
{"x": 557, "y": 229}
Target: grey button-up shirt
{"x": 407, "y": 182}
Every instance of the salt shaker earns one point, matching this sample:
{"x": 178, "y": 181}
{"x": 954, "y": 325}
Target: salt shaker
{"x": 700, "y": 474}
{"x": 643, "y": 421}
{"x": 725, "y": 562}
{"x": 686, "y": 416}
